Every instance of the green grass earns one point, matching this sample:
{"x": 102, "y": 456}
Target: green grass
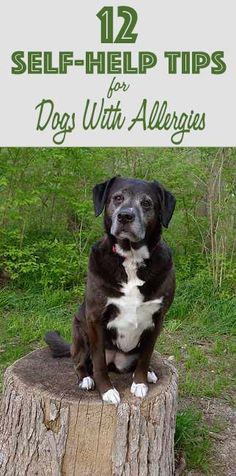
{"x": 25, "y": 317}
{"x": 193, "y": 440}
{"x": 206, "y": 366}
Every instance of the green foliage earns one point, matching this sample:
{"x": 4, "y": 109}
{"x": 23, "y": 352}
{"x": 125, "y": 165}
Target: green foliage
{"x": 47, "y": 220}
{"x": 201, "y": 307}
{"x": 192, "y": 438}
{"x": 46, "y": 264}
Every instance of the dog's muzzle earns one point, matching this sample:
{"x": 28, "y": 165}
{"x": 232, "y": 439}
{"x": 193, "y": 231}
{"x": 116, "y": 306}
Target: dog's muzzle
{"x": 127, "y": 224}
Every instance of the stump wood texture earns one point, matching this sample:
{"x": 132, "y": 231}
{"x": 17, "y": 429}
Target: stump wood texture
{"x": 50, "y": 428}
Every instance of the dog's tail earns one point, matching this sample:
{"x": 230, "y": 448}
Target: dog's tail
{"x": 58, "y": 346}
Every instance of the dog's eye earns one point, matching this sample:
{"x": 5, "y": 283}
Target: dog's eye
{"x": 119, "y": 198}
{"x": 146, "y": 203}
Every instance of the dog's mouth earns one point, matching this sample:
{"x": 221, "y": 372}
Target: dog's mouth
{"x": 132, "y": 232}
{"x": 127, "y": 235}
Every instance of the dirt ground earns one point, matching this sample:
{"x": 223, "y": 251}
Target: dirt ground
{"x": 223, "y": 461}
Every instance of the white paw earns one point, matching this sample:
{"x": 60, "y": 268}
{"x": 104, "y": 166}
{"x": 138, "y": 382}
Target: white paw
{"x": 111, "y": 396}
{"x": 139, "y": 389}
{"x": 151, "y": 377}
{"x": 87, "y": 383}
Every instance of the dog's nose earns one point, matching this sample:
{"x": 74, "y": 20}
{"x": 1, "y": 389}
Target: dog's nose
{"x": 126, "y": 216}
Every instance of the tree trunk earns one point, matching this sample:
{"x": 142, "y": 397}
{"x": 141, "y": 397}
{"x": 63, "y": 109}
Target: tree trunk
{"x": 50, "y": 427}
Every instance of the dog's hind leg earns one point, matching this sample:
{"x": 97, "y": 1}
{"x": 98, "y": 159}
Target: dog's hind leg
{"x": 81, "y": 355}
{"x": 96, "y": 340}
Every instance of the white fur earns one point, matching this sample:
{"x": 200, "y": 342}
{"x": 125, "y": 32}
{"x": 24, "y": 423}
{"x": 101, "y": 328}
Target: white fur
{"x": 151, "y": 377}
{"x": 87, "y": 383}
{"x": 138, "y": 255}
{"x": 134, "y": 315}
{"x": 122, "y": 361}
{"x": 139, "y": 389}
{"x": 111, "y": 396}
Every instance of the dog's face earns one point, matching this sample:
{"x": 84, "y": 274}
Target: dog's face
{"x": 133, "y": 207}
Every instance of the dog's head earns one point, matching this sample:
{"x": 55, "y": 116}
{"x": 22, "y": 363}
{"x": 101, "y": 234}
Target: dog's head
{"x": 133, "y": 208}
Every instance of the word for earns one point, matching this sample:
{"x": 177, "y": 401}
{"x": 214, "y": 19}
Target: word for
{"x": 116, "y": 86}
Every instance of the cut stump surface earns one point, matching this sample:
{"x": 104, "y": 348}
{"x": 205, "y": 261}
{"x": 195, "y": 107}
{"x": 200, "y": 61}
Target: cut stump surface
{"x": 49, "y": 427}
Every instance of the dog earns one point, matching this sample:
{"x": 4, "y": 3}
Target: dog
{"x": 130, "y": 287}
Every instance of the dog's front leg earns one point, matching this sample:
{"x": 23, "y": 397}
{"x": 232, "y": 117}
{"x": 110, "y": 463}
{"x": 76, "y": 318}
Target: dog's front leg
{"x": 142, "y": 374}
{"x": 96, "y": 338}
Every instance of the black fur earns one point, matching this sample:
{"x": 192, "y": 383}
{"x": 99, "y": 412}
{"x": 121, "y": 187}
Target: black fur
{"x": 57, "y": 344}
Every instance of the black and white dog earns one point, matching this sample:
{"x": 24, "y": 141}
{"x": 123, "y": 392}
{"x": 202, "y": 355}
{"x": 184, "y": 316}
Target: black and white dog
{"x": 130, "y": 286}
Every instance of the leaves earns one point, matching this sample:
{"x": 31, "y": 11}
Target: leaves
{"x": 47, "y": 222}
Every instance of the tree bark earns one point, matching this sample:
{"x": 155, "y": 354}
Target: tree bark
{"x": 50, "y": 428}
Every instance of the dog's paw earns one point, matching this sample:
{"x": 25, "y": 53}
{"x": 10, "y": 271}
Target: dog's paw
{"x": 139, "y": 389}
{"x": 111, "y": 396}
{"x": 87, "y": 383}
{"x": 151, "y": 377}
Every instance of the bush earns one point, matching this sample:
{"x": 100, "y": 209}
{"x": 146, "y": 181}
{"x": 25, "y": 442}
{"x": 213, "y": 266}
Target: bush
{"x": 46, "y": 264}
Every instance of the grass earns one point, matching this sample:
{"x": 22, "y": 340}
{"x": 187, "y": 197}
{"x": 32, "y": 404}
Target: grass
{"x": 192, "y": 438}
{"x": 199, "y": 334}
{"x": 206, "y": 366}
{"x": 26, "y": 316}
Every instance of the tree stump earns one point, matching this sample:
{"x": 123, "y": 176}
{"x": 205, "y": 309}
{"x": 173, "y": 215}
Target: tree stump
{"x": 50, "y": 428}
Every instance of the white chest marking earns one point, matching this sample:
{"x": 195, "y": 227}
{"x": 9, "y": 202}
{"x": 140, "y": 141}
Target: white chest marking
{"x": 134, "y": 315}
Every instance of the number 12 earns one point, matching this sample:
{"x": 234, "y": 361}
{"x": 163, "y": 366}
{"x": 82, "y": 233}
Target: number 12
{"x": 125, "y": 35}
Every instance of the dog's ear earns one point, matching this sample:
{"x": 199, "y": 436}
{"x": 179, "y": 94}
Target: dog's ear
{"x": 167, "y": 203}
{"x": 100, "y": 194}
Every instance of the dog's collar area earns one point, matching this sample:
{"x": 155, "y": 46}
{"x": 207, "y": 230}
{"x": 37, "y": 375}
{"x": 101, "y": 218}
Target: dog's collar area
{"x": 114, "y": 250}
